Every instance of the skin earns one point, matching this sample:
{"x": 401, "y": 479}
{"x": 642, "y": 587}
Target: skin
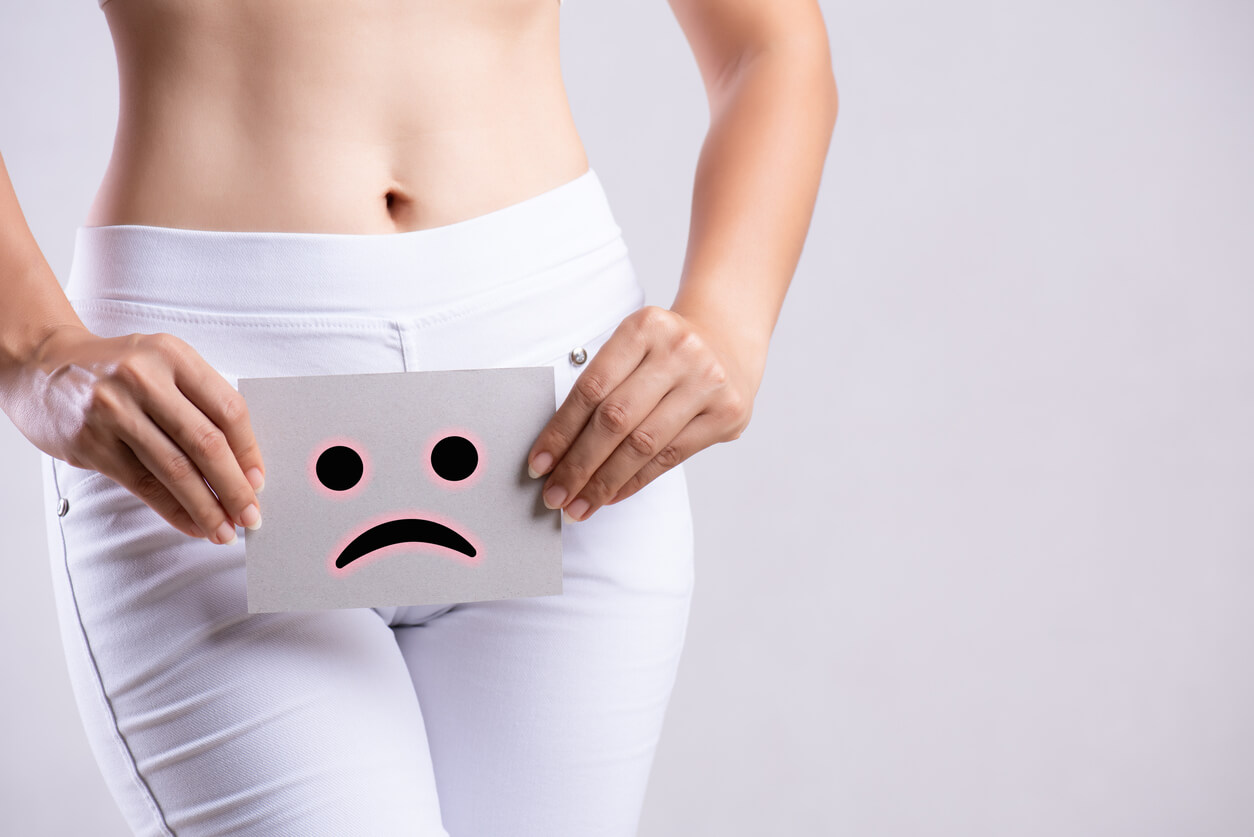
{"x": 368, "y": 116}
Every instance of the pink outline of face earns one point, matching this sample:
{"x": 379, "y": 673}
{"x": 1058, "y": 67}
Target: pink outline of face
{"x": 311, "y": 467}
{"x": 435, "y": 439}
{"x": 422, "y": 514}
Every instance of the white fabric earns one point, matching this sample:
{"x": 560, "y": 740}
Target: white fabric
{"x": 519, "y": 717}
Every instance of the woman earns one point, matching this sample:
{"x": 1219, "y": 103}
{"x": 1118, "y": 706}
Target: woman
{"x": 307, "y": 187}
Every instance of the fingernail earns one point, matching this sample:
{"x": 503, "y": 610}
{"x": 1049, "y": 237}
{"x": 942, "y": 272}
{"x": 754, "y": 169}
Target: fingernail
{"x": 541, "y": 464}
{"x": 226, "y": 533}
{"x": 576, "y": 509}
{"x": 250, "y": 517}
{"x": 554, "y": 496}
{"x": 255, "y": 479}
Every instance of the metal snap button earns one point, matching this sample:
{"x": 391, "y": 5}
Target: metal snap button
{"x": 578, "y": 355}
{"x": 63, "y": 505}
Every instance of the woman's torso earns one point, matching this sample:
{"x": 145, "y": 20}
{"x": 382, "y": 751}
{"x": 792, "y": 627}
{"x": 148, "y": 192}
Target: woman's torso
{"x": 333, "y": 116}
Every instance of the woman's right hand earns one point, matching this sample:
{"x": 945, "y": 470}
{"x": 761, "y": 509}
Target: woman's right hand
{"x": 147, "y": 411}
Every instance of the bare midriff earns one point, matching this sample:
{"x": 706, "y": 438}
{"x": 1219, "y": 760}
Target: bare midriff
{"x": 334, "y": 116}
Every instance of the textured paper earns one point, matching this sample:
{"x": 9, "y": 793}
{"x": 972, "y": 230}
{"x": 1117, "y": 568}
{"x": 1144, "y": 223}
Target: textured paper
{"x": 433, "y": 530}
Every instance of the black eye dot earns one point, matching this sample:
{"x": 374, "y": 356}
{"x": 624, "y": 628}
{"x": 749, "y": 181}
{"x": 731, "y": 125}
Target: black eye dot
{"x": 454, "y": 458}
{"x": 339, "y": 468}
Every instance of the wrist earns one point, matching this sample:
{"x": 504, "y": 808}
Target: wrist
{"x": 20, "y": 348}
{"x": 746, "y": 343}
{"x": 35, "y": 309}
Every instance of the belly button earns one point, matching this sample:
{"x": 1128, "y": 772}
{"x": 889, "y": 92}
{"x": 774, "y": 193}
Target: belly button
{"x": 398, "y": 205}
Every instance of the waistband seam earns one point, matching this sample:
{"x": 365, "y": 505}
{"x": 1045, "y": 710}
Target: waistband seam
{"x": 276, "y": 320}
{"x": 509, "y": 292}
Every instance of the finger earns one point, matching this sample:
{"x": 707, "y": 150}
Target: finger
{"x": 119, "y": 463}
{"x": 205, "y": 387}
{"x": 618, "y": 413}
{"x": 207, "y": 445}
{"x": 617, "y": 358}
{"x": 178, "y": 473}
{"x": 651, "y": 440}
{"x": 697, "y": 435}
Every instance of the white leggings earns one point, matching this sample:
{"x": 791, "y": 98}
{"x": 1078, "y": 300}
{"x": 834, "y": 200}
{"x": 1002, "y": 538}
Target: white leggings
{"x": 522, "y": 716}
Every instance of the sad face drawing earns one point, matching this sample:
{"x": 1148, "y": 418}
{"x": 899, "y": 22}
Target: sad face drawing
{"x": 451, "y": 460}
{"x": 401, "y": 488}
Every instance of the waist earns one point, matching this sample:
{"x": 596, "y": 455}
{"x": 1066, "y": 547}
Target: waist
{"x": 181, "y": 174}
{"x": 312, "y": 115}
{"x": 519, "y": 285}
{"x": 548, "y": 240}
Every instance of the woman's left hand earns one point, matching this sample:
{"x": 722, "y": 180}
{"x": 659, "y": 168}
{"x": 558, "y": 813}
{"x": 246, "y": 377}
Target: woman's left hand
{"x": 661, "y": 388}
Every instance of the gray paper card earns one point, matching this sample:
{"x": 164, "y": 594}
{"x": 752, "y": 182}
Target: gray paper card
{"x": 400, "y": 488}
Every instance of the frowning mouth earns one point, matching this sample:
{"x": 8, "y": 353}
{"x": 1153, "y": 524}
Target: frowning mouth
{"x": 404, "y": 530}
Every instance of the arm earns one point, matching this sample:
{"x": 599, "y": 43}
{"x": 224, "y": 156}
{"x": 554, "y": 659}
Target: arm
{"x": 34, "y": 304}
{"x": 143, "y": 409}
{"x": 671, "y": 382}
{"x": 773, "y": 102}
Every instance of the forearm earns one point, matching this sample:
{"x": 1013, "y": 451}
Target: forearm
{"x": 32, "y": 304}
{"x": 753, "y": 198}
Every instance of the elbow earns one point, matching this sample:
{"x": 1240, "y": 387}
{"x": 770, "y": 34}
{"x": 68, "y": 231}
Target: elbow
{"x": 834, "y": 103}
{"x": 826, "y": 96}
{"x": 812, "y": 59}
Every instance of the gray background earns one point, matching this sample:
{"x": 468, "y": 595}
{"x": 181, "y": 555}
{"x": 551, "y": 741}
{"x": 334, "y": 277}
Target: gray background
{"x": 981, "y": 563}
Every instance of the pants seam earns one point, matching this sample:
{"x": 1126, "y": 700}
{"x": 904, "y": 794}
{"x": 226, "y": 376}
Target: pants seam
{"x": 119, "y": 738}
{"x": 400, "y": 336}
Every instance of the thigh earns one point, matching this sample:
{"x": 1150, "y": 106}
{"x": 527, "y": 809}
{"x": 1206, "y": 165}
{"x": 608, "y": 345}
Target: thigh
{"x": 543, "y": 713}
{"x": 207, "y": 720}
